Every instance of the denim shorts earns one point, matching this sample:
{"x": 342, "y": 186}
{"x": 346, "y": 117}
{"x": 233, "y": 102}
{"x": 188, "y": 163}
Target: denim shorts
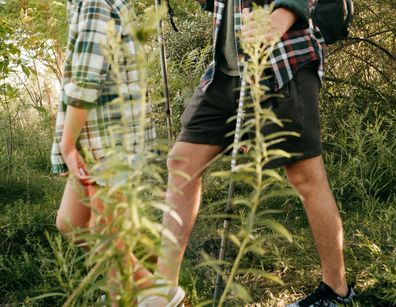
{"x": 205, "y": 119}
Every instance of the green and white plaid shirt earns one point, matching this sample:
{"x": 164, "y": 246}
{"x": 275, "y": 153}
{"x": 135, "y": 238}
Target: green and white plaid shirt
{"x": 88, "y": 82}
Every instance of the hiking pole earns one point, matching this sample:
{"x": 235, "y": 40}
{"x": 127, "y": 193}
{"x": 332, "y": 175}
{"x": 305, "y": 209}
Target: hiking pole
{"x": 231, "y": 187}
{"x": 164, "y": 71}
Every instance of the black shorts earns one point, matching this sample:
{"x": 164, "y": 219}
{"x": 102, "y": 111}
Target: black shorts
{"x": 205, "y": 119}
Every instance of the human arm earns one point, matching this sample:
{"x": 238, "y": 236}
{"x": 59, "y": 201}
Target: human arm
{"x": 74, "y": 122}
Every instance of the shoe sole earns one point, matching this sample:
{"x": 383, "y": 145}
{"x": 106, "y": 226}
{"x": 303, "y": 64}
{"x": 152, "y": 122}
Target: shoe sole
{"x": 177, "y": 299}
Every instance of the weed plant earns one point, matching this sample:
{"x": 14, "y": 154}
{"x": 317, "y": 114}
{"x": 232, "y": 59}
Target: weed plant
{"x": 358, "y": 119}
{"x": 127, "y": 223}
{"x": 251, "y": 171}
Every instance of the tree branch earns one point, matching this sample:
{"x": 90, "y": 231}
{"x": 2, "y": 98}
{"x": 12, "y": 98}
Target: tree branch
{"x": 364, "y": 39}
{"x": 386, "y": 97}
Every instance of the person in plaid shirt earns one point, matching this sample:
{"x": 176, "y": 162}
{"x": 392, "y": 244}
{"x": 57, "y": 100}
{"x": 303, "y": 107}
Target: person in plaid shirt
{"x": 296, "y": 73}
{"x": 88, "y": 117}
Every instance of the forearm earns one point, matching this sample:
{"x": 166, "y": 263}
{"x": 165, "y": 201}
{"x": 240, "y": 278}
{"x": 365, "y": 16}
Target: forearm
{"x": 74, "y": 122}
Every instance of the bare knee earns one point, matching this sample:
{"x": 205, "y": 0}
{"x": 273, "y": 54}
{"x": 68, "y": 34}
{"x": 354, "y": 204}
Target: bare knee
{"x": 62, "y": 225}
{"x": 190, "y": 159}
{"x": 176, "y": 163}
{"x": 72, "y": 212}
{"x": 180, "y": 166}
{"x": 307, "y": 176}
{"x": 66, "y": 225}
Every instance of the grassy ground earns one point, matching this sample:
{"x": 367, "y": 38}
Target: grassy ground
{"x": 370, "y": 250}
{"x": 358, "y": 136}
{"x": 361, "y": 170}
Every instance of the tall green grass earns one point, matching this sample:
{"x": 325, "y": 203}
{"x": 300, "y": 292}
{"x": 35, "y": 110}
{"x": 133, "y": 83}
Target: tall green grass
{"x": 358, "y": 137}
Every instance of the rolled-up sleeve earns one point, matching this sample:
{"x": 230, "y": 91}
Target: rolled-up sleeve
{"x": 89, "y": 67}
{"x": 298, "y": 7}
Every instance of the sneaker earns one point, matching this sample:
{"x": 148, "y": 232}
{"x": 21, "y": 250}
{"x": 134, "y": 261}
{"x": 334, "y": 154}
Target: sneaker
{"x": 325, "y": 296}
{"x": 178, "y": 298}
{"x": 171, "y": 297}
{"x": 101, "y": 301}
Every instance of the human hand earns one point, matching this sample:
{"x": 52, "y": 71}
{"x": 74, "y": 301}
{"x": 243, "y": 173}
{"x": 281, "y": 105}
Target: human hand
{"x": 76, "y": 164}
{"x": 257, "y": 27}
{"x": 261, "y": 26}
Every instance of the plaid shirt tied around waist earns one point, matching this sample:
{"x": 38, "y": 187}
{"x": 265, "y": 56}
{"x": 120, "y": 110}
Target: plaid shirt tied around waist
{"x": 89, "y": 82}
{"x": 302, "y": 44}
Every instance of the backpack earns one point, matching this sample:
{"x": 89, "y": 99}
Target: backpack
{"x": 333, "y": 18}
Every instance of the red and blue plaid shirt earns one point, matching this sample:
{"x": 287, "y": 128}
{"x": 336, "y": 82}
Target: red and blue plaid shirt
{"x": 301, "y": 45}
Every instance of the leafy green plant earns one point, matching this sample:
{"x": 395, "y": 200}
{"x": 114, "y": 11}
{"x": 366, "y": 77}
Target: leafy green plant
{"x": 127, "y": 230}
{"x": 252, "y": 171}
{"x": 357, "y": 113}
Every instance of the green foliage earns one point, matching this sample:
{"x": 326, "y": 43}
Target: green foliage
{"x": 25, "y": 250}
{"x": 125, "y": 210}
{"x": 252, "y": 172}
{"x": 188, "y": 53}
{"x": 358, "y": 116}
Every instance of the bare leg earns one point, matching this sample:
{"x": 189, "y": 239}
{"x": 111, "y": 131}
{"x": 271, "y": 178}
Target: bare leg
{"x": 96, "y": 220}
{"x": 72, "y": 212}
{"x": 184, "y": 194}
{"x": 310, "y": 180}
